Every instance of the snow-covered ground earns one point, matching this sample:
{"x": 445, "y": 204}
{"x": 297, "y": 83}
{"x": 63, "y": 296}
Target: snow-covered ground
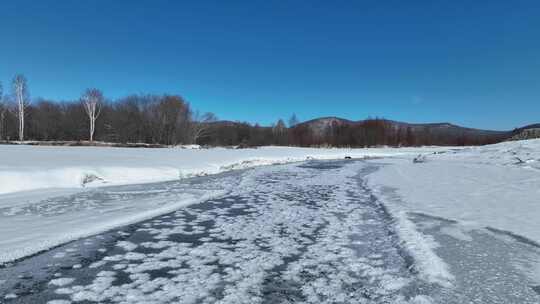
{"x": 294, "y": 233}
{"x": 55, "y": 207}
{"x": 24, "y": 168}
{"x": 43, "y": 202}
{"x": 309, "y": 232}
{"x": 495, "y": 186}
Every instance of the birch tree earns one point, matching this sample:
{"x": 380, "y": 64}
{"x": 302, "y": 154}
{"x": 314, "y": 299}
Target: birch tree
{"x": 280, "y": 132}
{"x": 92, "y": 101}
{"x": 20, "y": 92}
{"x": 200, "y": 125}
{"x": 3, "y": 109}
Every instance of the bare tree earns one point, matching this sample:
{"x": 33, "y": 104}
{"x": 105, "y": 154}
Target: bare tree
{"x": 170, "y": 120}
{"x": 20, "y": 91}
{"x": 279, "y": 127}
{"x": 279, "y": 131}
{"x": 92, "y": 101}
{"x": 200, "y": 125}
{"x": 3, "y": 109}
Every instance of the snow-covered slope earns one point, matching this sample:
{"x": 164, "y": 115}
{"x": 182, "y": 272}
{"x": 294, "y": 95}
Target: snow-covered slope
{"x": 495, "y": 186}
{"x": 25, "y": 168}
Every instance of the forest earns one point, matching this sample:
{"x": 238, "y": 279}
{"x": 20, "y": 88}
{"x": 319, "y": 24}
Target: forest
{"x": 170, "y": 120}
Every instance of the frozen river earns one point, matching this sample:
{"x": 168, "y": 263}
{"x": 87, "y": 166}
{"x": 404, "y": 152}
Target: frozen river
{"x": 309, "y": 232}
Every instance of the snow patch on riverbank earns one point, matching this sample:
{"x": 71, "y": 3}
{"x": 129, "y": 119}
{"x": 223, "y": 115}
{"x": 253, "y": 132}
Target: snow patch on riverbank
{"x": 25, "y": 168}
{"x": 494, "y": 186}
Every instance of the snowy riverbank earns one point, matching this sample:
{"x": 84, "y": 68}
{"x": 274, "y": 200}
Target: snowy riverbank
{"x": 44, "y": 203}
{"x": 495, "y": 186}
{"x": 24, "y": 168}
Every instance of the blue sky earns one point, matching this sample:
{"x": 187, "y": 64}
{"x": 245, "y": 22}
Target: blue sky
{"x": 474, "y": 63}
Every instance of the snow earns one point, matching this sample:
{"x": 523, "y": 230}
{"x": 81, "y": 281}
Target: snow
{"x": 59, "y": 302}
{"x": 291, "y": 240}
{"x": 55, "y": 207}
{"x": 62, "y": 281}
{"x": 495, "y": 186}
{"x": 31, "y": 174}
{"x": 44, "y": 203}
{"x": 24, "y": 168}
{"x": 431, "y": 267}
{"x": 127, "y": 246}
{"x": 10, "y": 296}
{"x": 43, "y": 225}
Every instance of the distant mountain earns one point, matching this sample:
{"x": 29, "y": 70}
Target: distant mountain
{"x": 438, "y": 133}
{"x": 225, "y": 123}
{"x": 336, "y": 131}
{"x": 319, "y": 124}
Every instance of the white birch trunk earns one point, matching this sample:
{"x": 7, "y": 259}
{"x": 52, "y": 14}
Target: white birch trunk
{"x": 92, "y": 101}
{"x": 19, "y": 84}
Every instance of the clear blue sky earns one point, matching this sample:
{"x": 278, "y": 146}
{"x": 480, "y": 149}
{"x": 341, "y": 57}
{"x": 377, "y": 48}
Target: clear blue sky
{"x": 474, "y": 63}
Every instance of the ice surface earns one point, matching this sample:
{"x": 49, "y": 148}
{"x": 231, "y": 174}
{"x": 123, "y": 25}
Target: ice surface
{"x": 479, "y": 187}
{"x": 39, "y": 225}
{"x": 285, "y": 234}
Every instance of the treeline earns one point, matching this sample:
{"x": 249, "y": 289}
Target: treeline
{"x": 156, "y": 119}
{"x": 366, "y": 133}
{"x": 170, "y": 120}
{"x": 377, "y": 131}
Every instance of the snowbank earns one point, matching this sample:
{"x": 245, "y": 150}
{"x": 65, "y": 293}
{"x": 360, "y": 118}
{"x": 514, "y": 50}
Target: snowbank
{"x": 24, "y": 168}
{"x": 48, "y": 195}
{"x": 495, "y": 186}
